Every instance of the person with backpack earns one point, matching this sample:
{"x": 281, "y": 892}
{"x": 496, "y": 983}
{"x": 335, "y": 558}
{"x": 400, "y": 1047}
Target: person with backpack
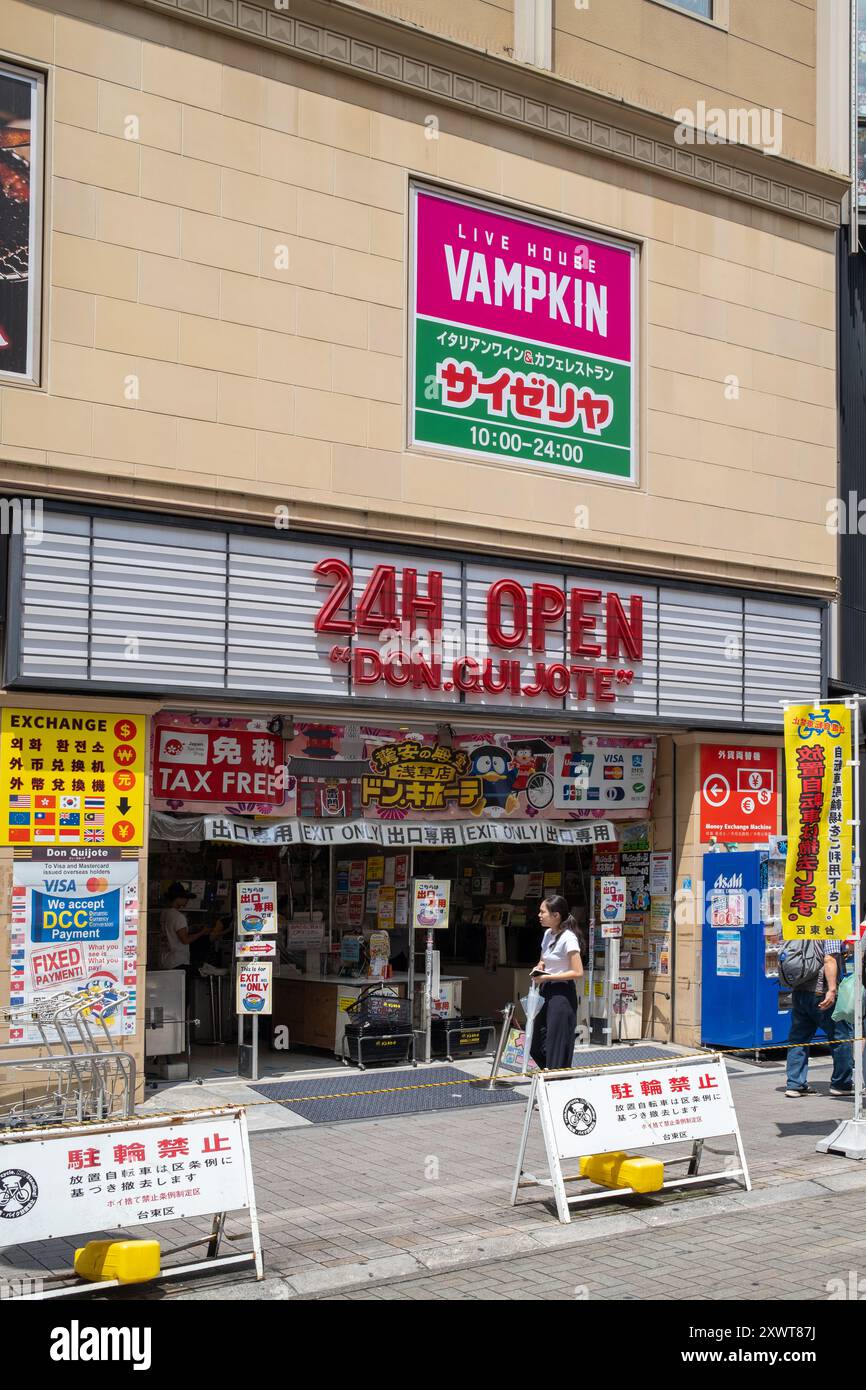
{"x": 811, "y": 971}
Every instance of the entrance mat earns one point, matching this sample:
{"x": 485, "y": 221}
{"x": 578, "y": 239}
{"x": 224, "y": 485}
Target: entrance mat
{"x": 620, "y": 1055}
{"x": 380, "y": 1094}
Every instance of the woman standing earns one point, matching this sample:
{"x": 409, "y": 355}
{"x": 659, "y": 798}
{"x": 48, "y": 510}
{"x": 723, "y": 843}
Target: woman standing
{"x": 560, "y": 965}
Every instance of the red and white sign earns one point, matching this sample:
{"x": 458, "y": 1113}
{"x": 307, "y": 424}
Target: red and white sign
{"x": 739, "y": 793}
{"x": 217, "y": 765}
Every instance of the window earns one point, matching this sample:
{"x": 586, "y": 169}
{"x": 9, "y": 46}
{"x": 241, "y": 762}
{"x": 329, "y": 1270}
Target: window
{"x": 20, "y": 222}
{"x": 704, "y": 8}
{"x": 533, "y": 32}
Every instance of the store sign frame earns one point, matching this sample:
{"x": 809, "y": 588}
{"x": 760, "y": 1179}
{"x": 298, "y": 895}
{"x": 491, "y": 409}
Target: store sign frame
{"x": 506, "y": 330}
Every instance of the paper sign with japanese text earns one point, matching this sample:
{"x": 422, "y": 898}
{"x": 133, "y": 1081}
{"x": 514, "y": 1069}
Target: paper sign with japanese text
{"x": 523, "y": 337}
{"x": 101, "y": 1178}
{"x": 612, "y": 893}
{"x": 257, "y": 909}
{"x": 816, "y": 898}
{"x": 739, "y": 793}
{"x": 669, "y": 1103}
{"x": 254, "y": 995}
{"x": 430, "y": 898}
{"x": 70, "y": 777}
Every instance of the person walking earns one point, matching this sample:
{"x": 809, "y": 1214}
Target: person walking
{"x": 812, "y": 1008}
{"x": 558, "y": 967}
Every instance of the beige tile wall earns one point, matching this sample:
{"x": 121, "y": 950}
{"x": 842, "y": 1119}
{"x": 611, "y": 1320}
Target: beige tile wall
{"x": 226, "y": 322}
{"x": 662, "y": 60}
{"x": 487, "y": 24}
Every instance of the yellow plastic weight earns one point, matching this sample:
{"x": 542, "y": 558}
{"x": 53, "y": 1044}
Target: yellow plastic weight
{"x": 128, "y": 1261}
{"x": 619, "y": 1170}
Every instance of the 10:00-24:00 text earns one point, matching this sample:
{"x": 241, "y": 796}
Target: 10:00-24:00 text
{"x": 515, "y": 443}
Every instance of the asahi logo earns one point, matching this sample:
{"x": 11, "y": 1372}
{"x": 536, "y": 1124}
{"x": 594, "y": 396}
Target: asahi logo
{"x": 727, "y": 881}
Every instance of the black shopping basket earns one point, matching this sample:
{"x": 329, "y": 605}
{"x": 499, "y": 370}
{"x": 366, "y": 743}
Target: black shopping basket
{"x": 462, "y": 1037}
{"x": 379, "y": 1028}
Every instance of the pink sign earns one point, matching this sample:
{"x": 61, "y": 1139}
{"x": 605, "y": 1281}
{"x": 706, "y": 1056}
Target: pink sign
{"x": 523, "y": 279}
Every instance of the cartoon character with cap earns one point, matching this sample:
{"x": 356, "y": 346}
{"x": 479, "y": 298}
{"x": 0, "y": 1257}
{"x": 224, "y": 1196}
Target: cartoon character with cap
{"x": 495, "y": 769}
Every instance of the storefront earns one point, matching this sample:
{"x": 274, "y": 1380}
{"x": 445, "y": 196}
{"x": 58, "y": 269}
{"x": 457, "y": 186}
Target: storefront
{"x": 338, "y": 719}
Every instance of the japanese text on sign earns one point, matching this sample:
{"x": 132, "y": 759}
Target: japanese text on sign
{"x": 71, "y": 778}
{"x": 816, "y": 899}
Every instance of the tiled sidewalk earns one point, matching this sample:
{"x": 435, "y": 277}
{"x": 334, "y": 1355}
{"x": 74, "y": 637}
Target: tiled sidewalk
{"x": 434, "y": 1189}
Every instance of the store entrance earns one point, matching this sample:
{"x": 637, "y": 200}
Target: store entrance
{"x": 195, "y": 1004}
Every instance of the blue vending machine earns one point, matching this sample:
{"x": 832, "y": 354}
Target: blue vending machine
{"x": 741, "y": 1004}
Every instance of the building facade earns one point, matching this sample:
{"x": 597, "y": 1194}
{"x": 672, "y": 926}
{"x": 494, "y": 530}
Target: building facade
{"x": 508, "y": 321}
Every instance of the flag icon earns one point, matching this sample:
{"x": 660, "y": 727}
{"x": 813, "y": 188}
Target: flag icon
{"x": 19, "y": 817}
{"x": 94, "y": 818}
{"x": 69, "y": 832}
{"x": 18, "y": 833}
{"x": 94, "y": 803}
{"x": 44, "y": 817}
{"x": 46, "y": 803}
{"x": 19, "y": 803}
{"x": 70, "y": 803}
{"x": 94, "y": 836}
{"x": 70, "y": 817}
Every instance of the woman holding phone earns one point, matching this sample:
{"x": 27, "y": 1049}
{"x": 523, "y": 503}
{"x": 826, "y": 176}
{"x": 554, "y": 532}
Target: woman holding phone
{"x": 558, "y": 968}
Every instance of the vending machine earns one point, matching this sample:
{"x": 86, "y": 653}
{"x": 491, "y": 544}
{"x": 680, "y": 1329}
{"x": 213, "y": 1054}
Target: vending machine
{"x": 741, "y": 1004}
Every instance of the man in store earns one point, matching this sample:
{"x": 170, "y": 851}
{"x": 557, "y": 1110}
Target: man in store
{"x": 812, "y": 1008}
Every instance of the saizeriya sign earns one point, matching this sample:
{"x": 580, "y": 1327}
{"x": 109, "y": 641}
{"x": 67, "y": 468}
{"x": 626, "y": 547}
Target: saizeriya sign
{"x": 536, "y": 639}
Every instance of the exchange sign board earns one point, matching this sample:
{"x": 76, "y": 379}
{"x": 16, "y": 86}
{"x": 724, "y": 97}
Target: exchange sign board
{"x": 523, "y": 336}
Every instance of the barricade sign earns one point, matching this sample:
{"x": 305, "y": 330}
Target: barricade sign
{"x": 639, "y": 1106}
{"x": 81, "y": 1179}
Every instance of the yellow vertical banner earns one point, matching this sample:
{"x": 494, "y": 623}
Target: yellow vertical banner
{"x": 816, "y": 899}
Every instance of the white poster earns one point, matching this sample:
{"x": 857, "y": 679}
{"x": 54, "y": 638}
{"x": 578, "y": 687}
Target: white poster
{"x": 430, "y": 903}
{"x": 254, "y": 994}
{"x": 612, "y": 897}
{"x": 129, "y": 1175}
{"x": 603, "y": 778}
{"x": 74, "y": 936}
{"x": 257, "y": 909}
{"x": 642, "y": 1108}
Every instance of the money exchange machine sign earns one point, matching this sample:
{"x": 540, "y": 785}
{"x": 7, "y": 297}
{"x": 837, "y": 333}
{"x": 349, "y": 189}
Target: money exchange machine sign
{"x": 70, "y": 777}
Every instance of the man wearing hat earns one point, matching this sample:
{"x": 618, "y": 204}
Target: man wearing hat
{"x": 176, "y": 935}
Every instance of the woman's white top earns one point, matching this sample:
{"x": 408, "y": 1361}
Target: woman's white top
{"x": 555, "y": 950}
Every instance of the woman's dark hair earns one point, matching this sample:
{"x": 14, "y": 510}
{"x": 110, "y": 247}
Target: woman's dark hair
{"x": 558, "y": 904}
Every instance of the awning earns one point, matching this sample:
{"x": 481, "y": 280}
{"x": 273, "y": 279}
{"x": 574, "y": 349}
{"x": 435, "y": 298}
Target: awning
{"x": 446, "y": 834}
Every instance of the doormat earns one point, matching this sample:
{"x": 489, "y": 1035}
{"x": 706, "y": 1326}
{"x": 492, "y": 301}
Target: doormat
{"x": 379, "y": 1095}
{"x": 621, "y": 1053}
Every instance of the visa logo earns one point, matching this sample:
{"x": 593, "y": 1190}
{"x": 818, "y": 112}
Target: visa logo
{"x": 60, "y": 885}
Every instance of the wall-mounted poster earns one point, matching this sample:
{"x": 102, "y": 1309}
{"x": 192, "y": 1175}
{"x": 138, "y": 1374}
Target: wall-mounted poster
{"x": 523, "y": 341}
{"x": 74, "y": 935}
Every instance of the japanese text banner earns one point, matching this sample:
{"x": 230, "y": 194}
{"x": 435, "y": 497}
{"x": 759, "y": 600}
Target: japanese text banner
{"x": 816, "y": 900}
